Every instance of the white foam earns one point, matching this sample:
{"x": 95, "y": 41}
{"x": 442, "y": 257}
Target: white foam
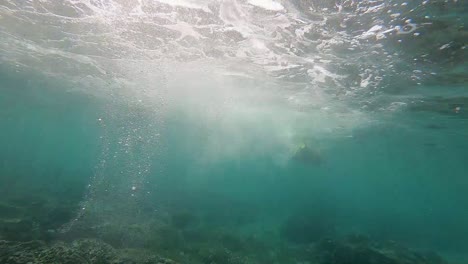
{"x": 320, "y": 74}
{"x": 253, "y": 45}
{"x": 375, "y": 9}
{"x": 187, "y": 3}
{"x": 185, "y": 29}
{"x": 372, "y": 32}
{"x": 267, "y": 4}
{"x": 365, "y": 81}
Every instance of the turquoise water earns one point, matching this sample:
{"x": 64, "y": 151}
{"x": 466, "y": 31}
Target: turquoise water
{"x": 218, "y": 159}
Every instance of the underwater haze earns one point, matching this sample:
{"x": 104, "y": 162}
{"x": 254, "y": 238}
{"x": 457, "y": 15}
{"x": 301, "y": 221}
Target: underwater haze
{"x": 234, "y": 131}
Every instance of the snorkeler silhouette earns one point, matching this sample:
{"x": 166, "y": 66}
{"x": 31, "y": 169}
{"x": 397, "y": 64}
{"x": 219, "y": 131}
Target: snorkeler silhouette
{"x": 308, "y": 155}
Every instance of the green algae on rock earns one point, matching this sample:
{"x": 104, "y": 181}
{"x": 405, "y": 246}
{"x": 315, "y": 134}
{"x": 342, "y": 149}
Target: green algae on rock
{"x": 84, "y": 251}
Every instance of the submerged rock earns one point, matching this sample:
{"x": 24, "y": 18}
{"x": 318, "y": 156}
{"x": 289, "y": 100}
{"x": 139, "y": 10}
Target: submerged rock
{"x": 333, "y": 252}
{"x": 27, "y": 217}
{"x": 303, "y": 226}
{"x": 362, "y": 251}
{"x": 80, "y": 251}
{"x": 18, "y": 229}
{"x": 182, "y": 220}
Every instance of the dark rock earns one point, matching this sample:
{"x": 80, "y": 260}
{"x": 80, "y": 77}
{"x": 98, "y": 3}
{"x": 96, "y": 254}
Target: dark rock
{"x": 168, "y": 238}
{"x": 219, "y": 255}
{"x": 18, "y": 229}
{"x": 81, "y": 251}
{"x": 339, "y": 253}
{"x": 366, "y": 252}
{"x": 183, "y": 220}
{"x": 304, "y": 227}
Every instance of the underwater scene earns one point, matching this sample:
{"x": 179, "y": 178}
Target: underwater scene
{"x": 234, "y": 131}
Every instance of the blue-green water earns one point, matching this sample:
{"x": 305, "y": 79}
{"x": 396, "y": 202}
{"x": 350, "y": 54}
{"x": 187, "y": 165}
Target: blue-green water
{"x": 348, "y": 147}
